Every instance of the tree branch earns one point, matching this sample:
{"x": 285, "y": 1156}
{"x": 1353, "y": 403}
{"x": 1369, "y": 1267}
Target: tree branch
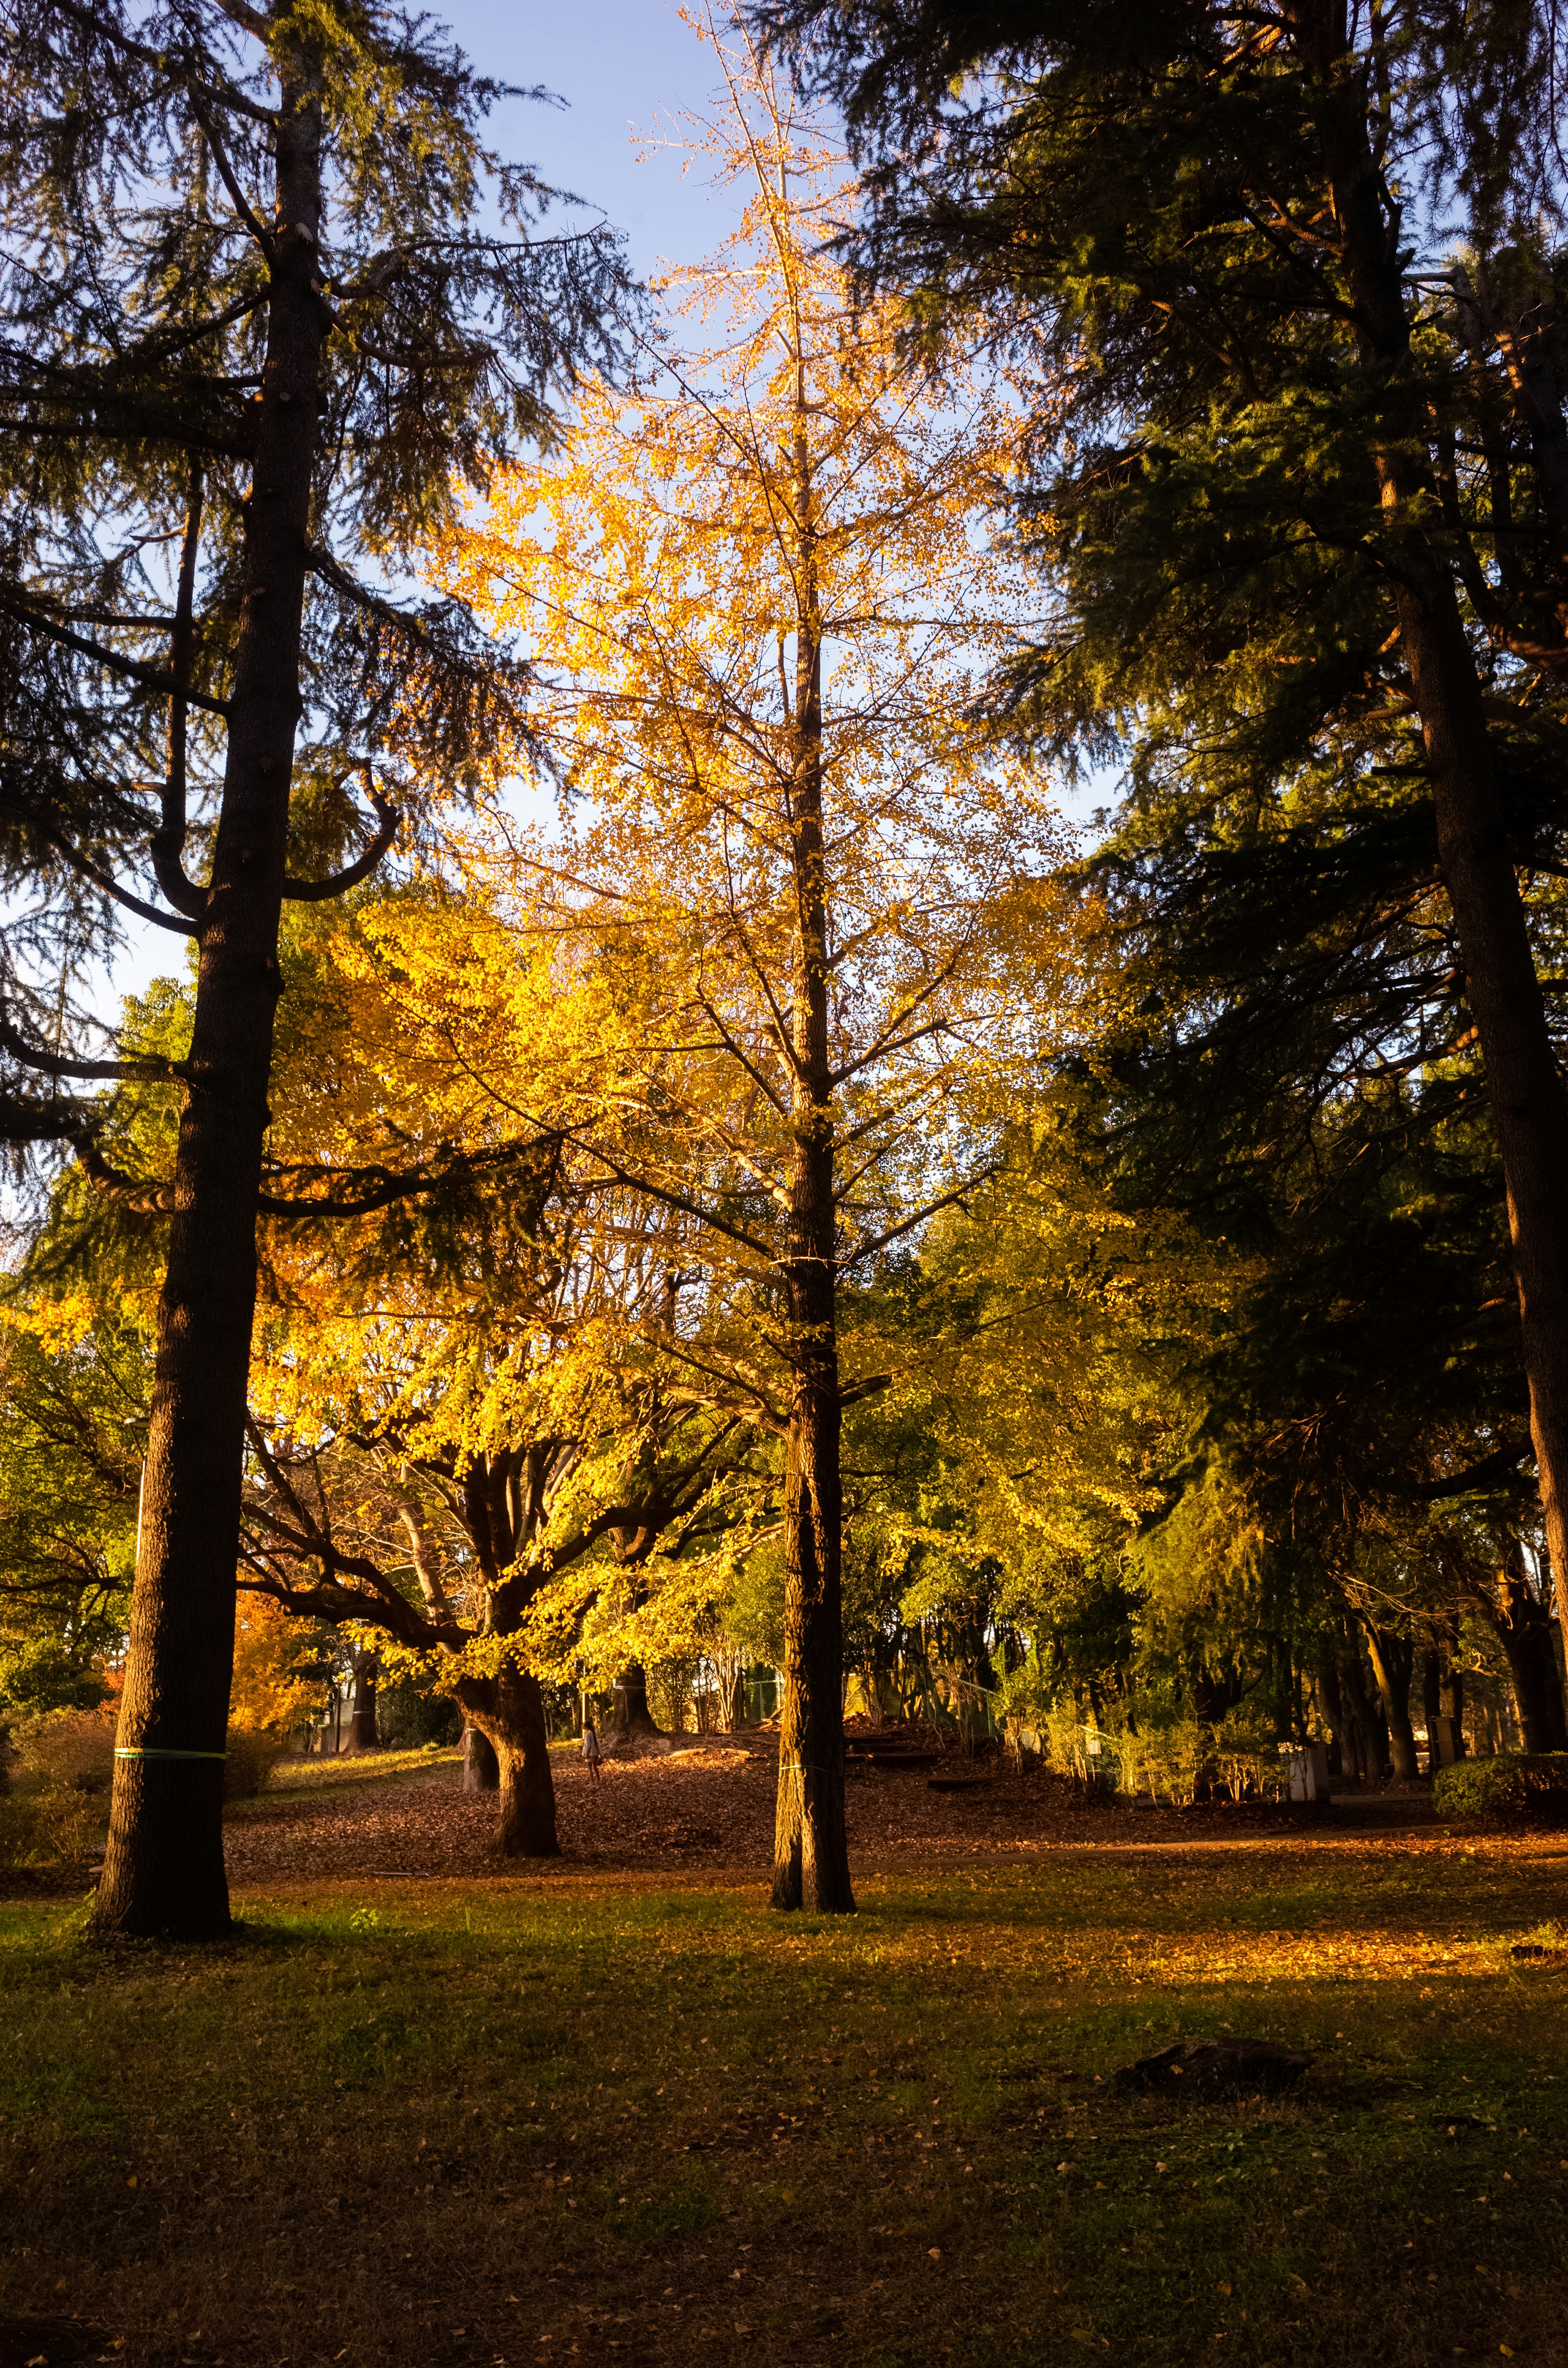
{"x": 151, "y": 677}
{"x": 315, "y": 891}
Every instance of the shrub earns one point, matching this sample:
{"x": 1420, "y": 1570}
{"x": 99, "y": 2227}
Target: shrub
{"x": 408, "y": 1720}
{"x": 253, "y": 1753}
{"x": 50, "y": 1830}
{"x": 68, "y": 1750}
{"x": 1516, "y": 1784}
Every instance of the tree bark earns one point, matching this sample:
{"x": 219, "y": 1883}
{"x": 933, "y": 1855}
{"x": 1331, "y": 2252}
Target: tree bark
{"x": 1528, "y": 1102}
{"x": 482, "y": 1768}
{"x": 164, "y": 1869}
{"x": 508, "y": 1711}
{"x": 1525, "y": 1631}
{"x": 1364, "y": 1732}
{"x": 632, "y": 1688}
{"x": 811, "y": 1847}
{"x": 362, "y": 1725}
{"x": 1394, "y": 1665}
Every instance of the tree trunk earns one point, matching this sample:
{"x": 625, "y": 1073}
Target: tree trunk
{"x": 1525, "y": 1631}
{"x": 164, "y": 1869}
{"x": 636, "y": 1718}
{"x": 1394, "y": 1665}
{"x": 1430, "y": 1668}
{"x": 811, "y": 1847}
{"x": 1364, "y": 1728}
{"x": 362, "y": 1726}
{"x": 509, "y": 1712}
{"x": 735, "y": 1699}
{"x": 482, "y": 1768}
{"x": 1331, "y": 1699}
{"x": 1528, "y": 1101}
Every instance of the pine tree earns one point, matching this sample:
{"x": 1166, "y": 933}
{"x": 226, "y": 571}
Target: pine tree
{"x": 272, "y": 309}
{"x": 1302, "y": 490}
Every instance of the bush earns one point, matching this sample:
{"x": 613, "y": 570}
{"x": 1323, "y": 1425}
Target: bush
{"x": 407, "y": 1719}
{"x": 1516, "y": 1784}
{"x": 62, "y": 1768}
{"x": 66, "y": 1750}
{"x": 41, "y": 1830}
{"x": 253, "y": 1753}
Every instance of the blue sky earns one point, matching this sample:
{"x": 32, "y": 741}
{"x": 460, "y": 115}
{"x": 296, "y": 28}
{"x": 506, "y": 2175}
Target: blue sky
{"x": 623, "y": 67}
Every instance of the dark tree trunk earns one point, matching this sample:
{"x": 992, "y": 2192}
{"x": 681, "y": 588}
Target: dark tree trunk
{"x": 482, "y": 1769}
{"x": 362, "y": 1726}
{"x": 1366, "y": 1734}
{"x": 508, "y": 1713}
{"x": 1525, "y": 1086}
{"x": 735, "y": 1699}
{"x": 1332, "y": 1699}
{"x": 1524, "y": 1630}
{"x": 1451, "y": 1702}
{"x": 635, "y": 1717}
{"x": 811, "y": 1847}
{"x": 163, "y": 1870}
{"x": 1431, "y": 1668}
{"x": 1212, "y": 1698}
{"x": 1394, "y": 1666}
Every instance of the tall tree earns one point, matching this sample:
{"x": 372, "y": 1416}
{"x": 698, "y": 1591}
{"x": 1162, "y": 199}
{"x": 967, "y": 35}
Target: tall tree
{"x": 1303, "y": 500}
{"x": 757, "y": 594}
{"x": 272, "y": 309}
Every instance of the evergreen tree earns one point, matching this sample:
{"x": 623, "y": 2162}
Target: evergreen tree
{"x": 1303, "y": 501}
{"x": 272, "y": 309}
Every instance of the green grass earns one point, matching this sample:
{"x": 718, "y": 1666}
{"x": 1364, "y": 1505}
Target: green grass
{"x": 546, "y": 2118}
{"x": 355, "y": 1768}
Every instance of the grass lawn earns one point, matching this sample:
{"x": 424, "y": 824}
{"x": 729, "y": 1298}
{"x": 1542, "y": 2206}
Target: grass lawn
{"x": 541, "y": 2118}
{"x": 355, "y": 1768}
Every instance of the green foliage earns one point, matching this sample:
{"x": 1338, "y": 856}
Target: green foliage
{"x": 1515, "y": 1785}
{"x": 73, "y": 1413}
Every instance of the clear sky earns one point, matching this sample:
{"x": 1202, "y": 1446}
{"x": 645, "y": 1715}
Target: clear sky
{"x": 624, "y": 67}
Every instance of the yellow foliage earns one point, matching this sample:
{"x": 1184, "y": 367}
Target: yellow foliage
{"x": 269, "y": 1695}
{"x": 760, "y": 587}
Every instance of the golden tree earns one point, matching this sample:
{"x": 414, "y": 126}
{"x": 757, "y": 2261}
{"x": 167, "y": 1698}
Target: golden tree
{"x": 796, "y": 899}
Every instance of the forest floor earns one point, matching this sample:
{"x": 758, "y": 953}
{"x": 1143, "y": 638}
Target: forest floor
{"x": 428, "y": 2110}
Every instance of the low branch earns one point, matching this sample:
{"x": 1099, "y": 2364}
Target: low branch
{"x": 1501, "y": 1464}
{"x": 316, "y": 891}
{"x": 151, "y": 679}
{"x": 143, "y": 1196}
{"x": 59, "y": 1064}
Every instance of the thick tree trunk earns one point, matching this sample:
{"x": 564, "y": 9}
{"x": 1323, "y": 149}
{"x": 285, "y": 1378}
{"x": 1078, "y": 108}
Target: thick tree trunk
{"x": 1529, "y": 1107}
{"x": 1394, "y": 1665}
{"x": 1530, "y": 1104}
{"x": 163, "y": 1870}
{"x": 362, "y": 1725}
{"x": 482, "y": 1768}
{"x": 1525, "y": 1631}
{"x": 509, "y": 1712}
{"x": 1538, "y": 1696}
{"x": 811, "y": 1848}
{"x": 1365, "y": 1734}
{"x": 631, "y": 1703}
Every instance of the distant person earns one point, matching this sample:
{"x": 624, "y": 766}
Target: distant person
{"x": 591, "y": 1752}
